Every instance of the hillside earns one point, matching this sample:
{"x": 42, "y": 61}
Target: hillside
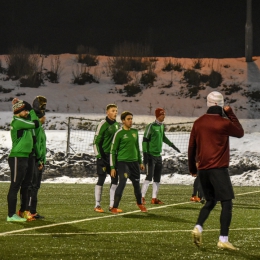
{"x": 240, "y": 87}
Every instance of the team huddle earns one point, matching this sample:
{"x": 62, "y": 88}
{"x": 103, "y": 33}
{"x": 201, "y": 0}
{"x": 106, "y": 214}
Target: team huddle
{"x": 117, "y": 151}
{"x": 27, "y": 158}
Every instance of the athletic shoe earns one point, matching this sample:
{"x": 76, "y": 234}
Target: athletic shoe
{"x": 196, "y": 237}
{"x": 142, "y": 207}
{"x": 118, "y": 210}
{"x": 195, "y": 199}
{"x": 226, "y": 245}
{"x": 143, "y": 201}
{"x": 20, "y": 213}
{"x": 37, "y": 216}
{"x": 16, "y": 218}
{"x": 115, "y": 210}
{"x": 98, "y": 209}
{"x": 27, "y": 215}
{"x": 156, "y": 201}
{"x": 202, "y": 201}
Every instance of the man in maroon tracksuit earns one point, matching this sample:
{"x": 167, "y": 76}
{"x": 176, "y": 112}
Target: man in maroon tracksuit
{"x": 209, "y": 148}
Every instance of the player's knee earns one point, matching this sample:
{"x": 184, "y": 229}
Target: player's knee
{"x": 210, "y": 204}
{"x": 227, "y": 205}
{"x": 114, "y": 180}
{"x": 101, "y": 179}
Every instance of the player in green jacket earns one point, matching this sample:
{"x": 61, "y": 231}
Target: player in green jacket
{"x": 22, "y": 145}
{"x": 39, "y": 106}
{"x": 125, "y": 156}
{"x": 102, "y": 144}
{"x": 154, "y": 137}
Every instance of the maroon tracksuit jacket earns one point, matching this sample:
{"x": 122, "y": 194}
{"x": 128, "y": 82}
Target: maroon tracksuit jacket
{"x": 209, "y": 141}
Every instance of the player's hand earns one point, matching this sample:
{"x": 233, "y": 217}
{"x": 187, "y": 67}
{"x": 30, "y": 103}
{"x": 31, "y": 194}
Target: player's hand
{"x": 40, "y": 167}
{"x": 142, "y": 167}
{"x": 113, "y": 173}
{"x": 193, "y": 174}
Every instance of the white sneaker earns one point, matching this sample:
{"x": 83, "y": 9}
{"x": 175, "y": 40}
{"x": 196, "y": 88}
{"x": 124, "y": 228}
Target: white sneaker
{"x": 226, "y": 245}
{"x": 196, "y": 237}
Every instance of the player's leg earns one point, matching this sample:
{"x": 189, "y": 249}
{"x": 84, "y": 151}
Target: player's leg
{"x": 211, "y": 202}
{"x": 157, "y": 179}
{"x": 149, "y": 176}
{"x": 135, "y": 179}
{"x": 36, "y": 184}
{"x": 18, "y": 167}
{"x": 102, "y": 173}
{"x": 123, "y": 173}
{"x": 194, "y": 196}
{"x": 26, "y": 189}
{"x": 220, "y": 177}
{"x": 113, "y": 185}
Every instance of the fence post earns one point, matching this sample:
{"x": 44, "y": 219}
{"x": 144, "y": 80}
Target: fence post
{"x": 68, "y": 138}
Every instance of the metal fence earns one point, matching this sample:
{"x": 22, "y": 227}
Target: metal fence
{"x": 81, "y": 133}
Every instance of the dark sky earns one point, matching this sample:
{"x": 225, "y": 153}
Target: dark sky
{"x": 184, "y": 28}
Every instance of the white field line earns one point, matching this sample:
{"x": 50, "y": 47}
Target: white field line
{"x": 102, "y": 217}
{"x": 129, "y": 232}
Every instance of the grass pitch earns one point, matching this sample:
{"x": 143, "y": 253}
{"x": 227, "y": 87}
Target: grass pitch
{"x": 72, "y": 230}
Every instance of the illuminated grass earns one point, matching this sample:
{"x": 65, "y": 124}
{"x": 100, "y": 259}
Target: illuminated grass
{"x": 72, "y": 230}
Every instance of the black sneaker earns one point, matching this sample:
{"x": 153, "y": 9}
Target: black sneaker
{"x": 202, "y": 201}
{"x": 37, "y": 216}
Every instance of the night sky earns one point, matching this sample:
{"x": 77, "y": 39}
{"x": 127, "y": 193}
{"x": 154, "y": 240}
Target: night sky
{"x": 180, "y": 28}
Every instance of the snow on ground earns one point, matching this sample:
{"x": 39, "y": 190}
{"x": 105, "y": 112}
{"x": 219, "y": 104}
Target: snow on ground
{"x": 89, "y": 101}
{"x": 66, "y": 97}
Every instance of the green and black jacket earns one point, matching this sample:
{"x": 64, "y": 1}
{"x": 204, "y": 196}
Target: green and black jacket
{"x": 125, "y": 147}
{"x": 154, "y": 137}
{"x": 104, "y": 136}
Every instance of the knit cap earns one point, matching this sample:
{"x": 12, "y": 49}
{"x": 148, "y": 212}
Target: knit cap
{"x": 18, "y": 106}
{"x": 159, "y": 111}
{"x": 215, "y": 98}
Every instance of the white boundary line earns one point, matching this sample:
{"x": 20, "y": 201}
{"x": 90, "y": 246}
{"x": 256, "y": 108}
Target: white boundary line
{"x": 102, "y": 217}
{"x": 129, "y": 232}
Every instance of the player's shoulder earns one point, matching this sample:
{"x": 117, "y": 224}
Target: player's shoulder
{"x": 102, "y": 123}
{"x": 134, "y": 130}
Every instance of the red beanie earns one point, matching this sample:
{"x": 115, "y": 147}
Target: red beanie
{"x": 159, "y": 111}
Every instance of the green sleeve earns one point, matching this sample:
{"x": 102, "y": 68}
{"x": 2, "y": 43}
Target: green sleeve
{"x": 33, "y": 115}
{"x": 166, "y": 140}
{"x": 114, "y": 149}
{"x": 37, "y": 145}
{"x": 21, "y": 123}
{"x": 147, "y": 135}
{"x": 138, "y": 149}
{"x": 99, "y": 138}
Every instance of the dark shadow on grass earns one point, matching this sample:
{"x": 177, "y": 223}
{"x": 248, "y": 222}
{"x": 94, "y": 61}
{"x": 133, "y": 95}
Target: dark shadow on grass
{"x": 157, "y": 217}
{"x": 61, "y": 229}
{"x": 246, "y": 206}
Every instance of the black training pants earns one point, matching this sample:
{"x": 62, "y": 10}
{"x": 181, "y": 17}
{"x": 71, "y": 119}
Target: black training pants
{"x": 127, "y": 170}
{"x": 36, "y": 184}
{"x": 18, "y": 167}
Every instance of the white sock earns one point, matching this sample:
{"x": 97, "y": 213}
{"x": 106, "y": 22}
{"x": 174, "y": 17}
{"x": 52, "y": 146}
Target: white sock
{"x": 223, "y": 239}
{"x": 112, "y": 194}
{"x": 155, "y": 189}
{"x": 98, "y": 193}
{"x": 145, "y": 188}
{"x": 199, "y": 227}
